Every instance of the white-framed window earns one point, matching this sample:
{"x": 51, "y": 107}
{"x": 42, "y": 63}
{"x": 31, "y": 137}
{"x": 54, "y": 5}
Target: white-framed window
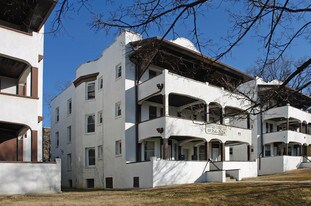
{"x": 90, "y": 156}
{"x": 69, "y": 162}
{"x": 100, "y": 83}
{"x": 100, "y": 117}
{"x": 118, "y": 147}
{"x": 90, "y": 90}
{"x": 57, "y": 138}
{"x": 118, "y": 71}
{"x": 118, "y": 111}
{"x": 100, "y": 152}
{"x": 57, "y": 114}
{"x": 90, "y": 123}
{"x": 69, "y": 134}
{"x": 149, "y": 150}
{"x": 69, "y": 106}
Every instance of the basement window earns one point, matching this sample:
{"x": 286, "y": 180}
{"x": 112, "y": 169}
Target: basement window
{"x": 90, "y": 183}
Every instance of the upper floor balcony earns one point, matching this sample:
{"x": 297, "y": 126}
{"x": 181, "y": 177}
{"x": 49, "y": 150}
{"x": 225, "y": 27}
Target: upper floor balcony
{"x": 287, "y": 112}
{"x": 20, "y": 110}
{"x": 173, "y": 126}
{"x": 166, "y": 83}
{"x": 287, "y": 136}
{"x": 21, "y": 46}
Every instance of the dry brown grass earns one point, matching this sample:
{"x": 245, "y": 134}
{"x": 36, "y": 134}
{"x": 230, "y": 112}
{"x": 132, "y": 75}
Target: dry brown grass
{"x": 240, "y": 193}
{"x": 295, "y": 175}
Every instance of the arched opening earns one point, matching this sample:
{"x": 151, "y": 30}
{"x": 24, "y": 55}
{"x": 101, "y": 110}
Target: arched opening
{"x": 17, "y": 77}
{"x": 236, "y": 117}
{"x": 215, "y": 113}
{"x": 11, "y": 141}
{"x": 187, "y": 107}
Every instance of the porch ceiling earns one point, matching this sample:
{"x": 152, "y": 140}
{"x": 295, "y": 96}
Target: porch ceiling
{"x": 9, "y": 131}
{"x": 178, "y": 100}
{"x": 25, "y": 15}
{"x": 11, "y": 68}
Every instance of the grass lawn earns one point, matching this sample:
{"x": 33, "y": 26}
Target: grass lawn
{"x": 239, "y": 193}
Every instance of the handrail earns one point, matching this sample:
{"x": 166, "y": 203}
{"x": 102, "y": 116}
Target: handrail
{"x": 307, "y": 158}
{"x": 211, "y": 161}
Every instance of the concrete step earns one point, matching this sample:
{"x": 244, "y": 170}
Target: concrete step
{"x": 230, "y": 179}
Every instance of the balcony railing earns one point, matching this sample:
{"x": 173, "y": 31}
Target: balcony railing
{"x": 286, "y": 136}
{"x": 173, "y": 126}
{"x": 19, "y": 110}
{"x": 287, "y": 112}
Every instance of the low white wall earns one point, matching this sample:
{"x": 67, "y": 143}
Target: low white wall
{"x": 247, "y": 168}
{"x": 271, "y": 165}
{"x": 291, "y": 162}
{"x": 216, "y": 176}
{"x": 235, "y": 174}
{"x": 143, "y": 170}
{"x": 30, "y": 178}
{"x": 166, "y": 172}
{"x": 305, "y": 165}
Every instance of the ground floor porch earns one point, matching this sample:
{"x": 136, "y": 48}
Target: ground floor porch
{"x": 185, "y": 148}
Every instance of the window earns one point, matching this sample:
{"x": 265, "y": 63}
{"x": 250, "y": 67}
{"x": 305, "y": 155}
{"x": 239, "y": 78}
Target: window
{"x": 90, "y": 156}
{"x": 57, "y": 114}
{"x": 70, "y": 183}
{"x": 231, "y": 151}
{"x": 57, "y": 138}
{"x": 90, "y": 183}
{"x": 109, "y": 182}
{"x": 90, "y": 90}
{"x": 136, "y": 182}
{"x": 118, "y": 71}
{"x": 148, "y": 150}
{"x": 100, "y": 152}
{"x": 99, "y": 117}
{"x": 69, "y": 134}
{"x": 267, "y": 150}
{"x": 100, "y": 83}
{"x": 69, "y": 162}
{"x": 118, "y": 111}
{"x": 69, "y": 106}
{"x": 267, "y": 127}
{"x": 118, "y": 147}
{"x": 152, "y": 112}
{"x": 152, "y": 74}
{"x": 90, "y": 123}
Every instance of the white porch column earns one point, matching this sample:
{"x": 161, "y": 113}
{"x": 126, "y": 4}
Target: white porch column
{"x": 166, "y": 105}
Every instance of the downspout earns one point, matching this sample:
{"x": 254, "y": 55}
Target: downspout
{"x": 137, "y": 118}
{"x": 261, "y": 138}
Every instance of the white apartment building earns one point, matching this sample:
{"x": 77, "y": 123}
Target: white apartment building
{"x": 21, "y": 75}
{"x": 148, "y": 113}
{"x": 282, "y": 130}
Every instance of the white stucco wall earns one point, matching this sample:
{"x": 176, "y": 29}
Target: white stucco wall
{"x": 246, "y": 169}
{"x": 167, "y": 172}
{"x": 216, "y": 176}
{"x": 30, "y": 178}
{"x": 271, "y": 165}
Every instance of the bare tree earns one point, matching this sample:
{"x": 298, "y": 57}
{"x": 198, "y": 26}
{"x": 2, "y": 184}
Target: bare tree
{"x": 276, "y": 24}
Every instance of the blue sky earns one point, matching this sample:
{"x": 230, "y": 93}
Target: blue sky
{"x": 77, "y": 43}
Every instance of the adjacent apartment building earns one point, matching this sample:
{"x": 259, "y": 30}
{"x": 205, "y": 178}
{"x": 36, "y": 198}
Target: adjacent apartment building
{"x": 151, "y": 112}
{"x": 21, "y": 75}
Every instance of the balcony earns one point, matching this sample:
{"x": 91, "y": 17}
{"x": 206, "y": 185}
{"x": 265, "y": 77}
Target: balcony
{"x": 14, "y": 44}
{"x": 287, "y": 112}
{"x": 286, "y": 137}
{"x": 173, "y": 126}
{"x": 173, "y": 83}
{"x": 150, "y": 87}
{"x": 21, "y": 110}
